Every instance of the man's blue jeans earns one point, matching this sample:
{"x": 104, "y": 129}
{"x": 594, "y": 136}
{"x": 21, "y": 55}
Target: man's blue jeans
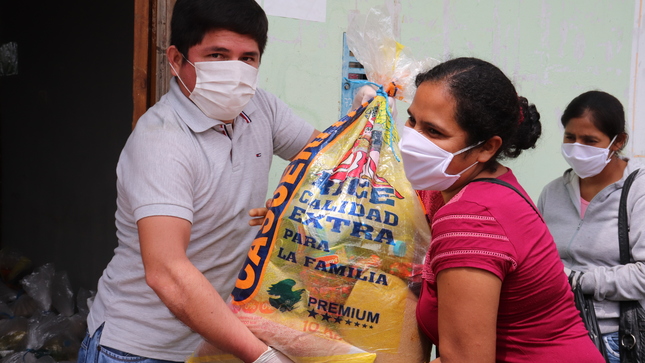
{"x": 92, "y": 352}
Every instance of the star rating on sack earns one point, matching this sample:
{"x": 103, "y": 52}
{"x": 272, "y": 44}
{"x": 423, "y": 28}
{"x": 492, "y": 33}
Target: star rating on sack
{"x": 337, "y": 319}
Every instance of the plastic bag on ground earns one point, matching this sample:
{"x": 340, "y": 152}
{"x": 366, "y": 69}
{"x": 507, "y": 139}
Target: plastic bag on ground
{"x": 5, "y": 311}
{"x": 13, "y": 334}
{"x": 25, "y": 306}
{"x": 62, "y": 294}
{"x": 83, "y": 298}
{"x": 38, "y": 285}
{"x": 55, "y": 335}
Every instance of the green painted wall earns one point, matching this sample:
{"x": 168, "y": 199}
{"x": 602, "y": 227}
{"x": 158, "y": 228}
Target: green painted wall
{"x": 553, "y": 50}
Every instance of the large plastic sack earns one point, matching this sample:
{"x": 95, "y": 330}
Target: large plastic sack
{"x": 62, "y": 294}
{"x": 25, "y": 306}
{"x": 56, "y": 335}
{"x": 13, "y": 334}
{"x": 83, "y": 299}
{"x": 38, "y": 285}
{"x": 332, "y": 272}
{"x": 327, "y": 278}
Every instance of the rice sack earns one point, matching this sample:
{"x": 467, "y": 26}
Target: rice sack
{"x": 328, "y": 277}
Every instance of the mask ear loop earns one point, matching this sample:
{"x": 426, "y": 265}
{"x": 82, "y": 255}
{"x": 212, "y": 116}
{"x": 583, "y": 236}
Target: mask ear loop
{"x": 463, "y": 171}
{"x": 466, "y": 149}
{"x": 189, "y": 62}
{"x": 177, "y": 73}
{"x": 612, "y": 141}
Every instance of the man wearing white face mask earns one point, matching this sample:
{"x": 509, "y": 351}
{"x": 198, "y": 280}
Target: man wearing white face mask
{"x": 195, "y": 165}
{"x": 581, "y": 209}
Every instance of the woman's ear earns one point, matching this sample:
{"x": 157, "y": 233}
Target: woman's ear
{"x": 174, "y": 58}
{"x": 488, "y": 150}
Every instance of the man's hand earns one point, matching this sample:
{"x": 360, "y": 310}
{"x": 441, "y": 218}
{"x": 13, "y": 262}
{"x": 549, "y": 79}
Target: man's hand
{"x": 368, "y": 92}
{"x": 363, "y": 95}
{"x": 273, "y": 355}
{"x": 257, "y": 214}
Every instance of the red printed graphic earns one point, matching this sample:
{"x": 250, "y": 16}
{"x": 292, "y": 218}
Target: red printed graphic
{"x": 362, "y": 159}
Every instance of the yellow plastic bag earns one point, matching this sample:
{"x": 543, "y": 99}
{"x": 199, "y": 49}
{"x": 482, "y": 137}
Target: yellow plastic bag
{"x": 327, "y": 277}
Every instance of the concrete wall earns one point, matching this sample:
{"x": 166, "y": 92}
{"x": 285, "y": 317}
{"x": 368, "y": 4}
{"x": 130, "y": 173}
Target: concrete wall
{"x": 552, "y": 50}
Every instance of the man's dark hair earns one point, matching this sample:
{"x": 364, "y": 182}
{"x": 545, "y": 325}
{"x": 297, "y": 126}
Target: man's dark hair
{"x": 192, "y": 19}
{"x": 487, "y": 105}
{"x": 605, "y": 111}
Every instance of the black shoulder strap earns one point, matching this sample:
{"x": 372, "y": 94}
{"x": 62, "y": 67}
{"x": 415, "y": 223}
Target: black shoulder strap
{"x": 623, "y": 225}
{"x": 501, "y": 182}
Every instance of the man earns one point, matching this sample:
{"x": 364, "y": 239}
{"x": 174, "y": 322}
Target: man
{"x": 194, "y": 166}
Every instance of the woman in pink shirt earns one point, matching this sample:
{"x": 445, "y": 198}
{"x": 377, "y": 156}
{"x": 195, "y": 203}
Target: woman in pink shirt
{"x": 493, "y": 287}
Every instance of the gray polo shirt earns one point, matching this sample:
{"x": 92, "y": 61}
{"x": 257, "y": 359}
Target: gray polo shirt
{"x": 179, "y": 162}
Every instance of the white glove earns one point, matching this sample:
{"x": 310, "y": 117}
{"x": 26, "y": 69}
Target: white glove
{"x": 363, "y": 95}
{"x": 368, "y": 92}
{"x": 272, "y": 355}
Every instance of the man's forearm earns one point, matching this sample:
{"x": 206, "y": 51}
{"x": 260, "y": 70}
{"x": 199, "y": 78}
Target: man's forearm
{"x": 194, "y": 301}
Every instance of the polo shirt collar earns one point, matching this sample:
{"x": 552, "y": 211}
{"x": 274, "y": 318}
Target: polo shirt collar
{"x": 192, "y": 115}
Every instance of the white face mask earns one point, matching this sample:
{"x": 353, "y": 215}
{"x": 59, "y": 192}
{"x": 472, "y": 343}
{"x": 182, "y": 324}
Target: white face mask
{"x": 586, "y": 161}
{"x": 222, "y": 88}
{"x": 425, "y": 163}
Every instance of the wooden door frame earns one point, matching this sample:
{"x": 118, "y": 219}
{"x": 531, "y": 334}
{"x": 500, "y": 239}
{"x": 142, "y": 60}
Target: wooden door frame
{"x": 150, "y": 70}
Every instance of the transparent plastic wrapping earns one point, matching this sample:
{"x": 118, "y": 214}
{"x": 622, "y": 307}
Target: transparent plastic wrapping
{"x": 56, "y": 335}
{"x": 371, "y": 39}
{"x": 13, "y": 334}
{"x": 62, "y": 294}
{"x": 38, "y": 285}
{"x": 25, "y": 306}
{"x": 5, "y": 311}
{"x": 83, "y": 298}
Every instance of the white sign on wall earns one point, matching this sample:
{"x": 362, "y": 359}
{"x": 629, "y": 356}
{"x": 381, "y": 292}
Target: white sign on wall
{"x": 636, "y": 111}
{"x": 314, "y": 10}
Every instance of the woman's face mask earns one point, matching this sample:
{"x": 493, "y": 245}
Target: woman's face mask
{"x": 222, "y": 88}
{"x": 425, "y": 163}
{"x": 586, "y": 161}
